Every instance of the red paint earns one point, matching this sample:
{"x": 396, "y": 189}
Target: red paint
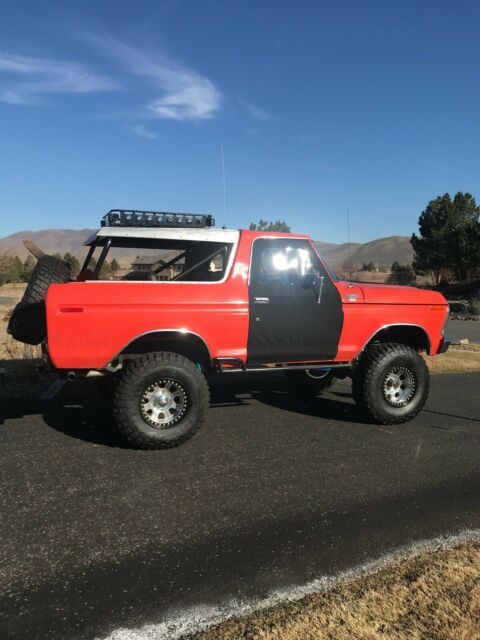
{"x": 89, "y": 323}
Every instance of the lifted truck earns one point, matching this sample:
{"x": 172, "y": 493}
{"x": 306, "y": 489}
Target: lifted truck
{"x": 225, "y": 301}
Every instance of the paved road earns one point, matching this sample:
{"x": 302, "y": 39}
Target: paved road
{"x": 458, "y": 329}
{"x": 269, "y": 493}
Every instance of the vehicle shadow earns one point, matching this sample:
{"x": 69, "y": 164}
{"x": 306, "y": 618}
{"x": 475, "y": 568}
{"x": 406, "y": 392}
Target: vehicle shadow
{"x": 92, "y": 424}
{"x": 271, "y": 389}
{"x": 82, "y": 410}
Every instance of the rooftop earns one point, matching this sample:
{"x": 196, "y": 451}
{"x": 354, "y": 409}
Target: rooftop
{"x": 148, "y": 259}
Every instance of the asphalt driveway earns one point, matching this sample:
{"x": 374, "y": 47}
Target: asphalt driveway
{"x": 270, "y": 492}
{"x": 460, "y": 329}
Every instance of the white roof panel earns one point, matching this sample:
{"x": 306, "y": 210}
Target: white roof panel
{"x": 229, "y": 236}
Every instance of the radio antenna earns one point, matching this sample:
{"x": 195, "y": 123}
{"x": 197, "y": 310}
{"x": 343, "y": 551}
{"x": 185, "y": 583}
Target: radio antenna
{"x": 350, "y": 267}
{"x": 224, "y": 186}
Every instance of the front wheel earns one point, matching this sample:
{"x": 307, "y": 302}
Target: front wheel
{"x": 160, "y": 400}
{"x": 391, "y": 383}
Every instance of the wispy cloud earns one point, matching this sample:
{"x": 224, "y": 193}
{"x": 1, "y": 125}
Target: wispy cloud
{"x": 186, "y": 94}
{"x": 143, "y": 132}
{"x": 34, "y": 77}
{"x": 256, "y": 113}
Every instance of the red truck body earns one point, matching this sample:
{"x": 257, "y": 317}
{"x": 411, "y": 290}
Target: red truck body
{"x": 224, "y": 301}
{"x": 91, "y": 323}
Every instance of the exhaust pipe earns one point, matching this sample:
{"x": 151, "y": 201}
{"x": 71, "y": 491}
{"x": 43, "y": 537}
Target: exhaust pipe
{"x": 71, "y": 375}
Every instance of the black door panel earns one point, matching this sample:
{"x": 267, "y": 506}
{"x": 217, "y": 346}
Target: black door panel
{"x": 286, "y": 321}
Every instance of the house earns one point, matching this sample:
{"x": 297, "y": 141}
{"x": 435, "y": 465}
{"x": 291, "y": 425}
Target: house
{"x": 152, "y": 263}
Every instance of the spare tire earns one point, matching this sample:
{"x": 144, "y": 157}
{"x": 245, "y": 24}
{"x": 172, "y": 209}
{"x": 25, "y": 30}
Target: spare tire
{"x": 28, "y": 322}
{"x": 48, "y": 270}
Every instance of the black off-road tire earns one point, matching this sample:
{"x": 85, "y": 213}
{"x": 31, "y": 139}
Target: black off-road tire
{"x": 28, "y": 323}
{"x": 139, "y": 375}
{"x": 372, "y": 377}
{"x": 304, "y": 384}
{"x": 356, "y": 387}
{"x": 48, "y": 270}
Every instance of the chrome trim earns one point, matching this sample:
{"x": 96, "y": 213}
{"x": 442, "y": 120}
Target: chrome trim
{"x": 399, "y": 324}
{"x": 285, "y": 367}
{"x": 445, "y": 322}
{"x": 183, "y": 332}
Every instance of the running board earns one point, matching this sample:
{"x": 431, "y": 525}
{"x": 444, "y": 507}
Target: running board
{"x": 236, "y": 365}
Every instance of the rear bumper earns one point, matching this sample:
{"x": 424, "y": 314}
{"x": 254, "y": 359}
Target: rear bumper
{"x": 444, "y": 345}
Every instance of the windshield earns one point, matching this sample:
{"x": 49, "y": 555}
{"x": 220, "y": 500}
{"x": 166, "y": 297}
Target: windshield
{"x": 332, "y": 273}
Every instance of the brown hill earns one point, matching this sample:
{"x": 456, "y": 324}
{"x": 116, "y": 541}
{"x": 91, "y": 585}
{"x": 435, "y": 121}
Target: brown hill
{"x": 382, "y": 251}
{"x": 49, "y": 240}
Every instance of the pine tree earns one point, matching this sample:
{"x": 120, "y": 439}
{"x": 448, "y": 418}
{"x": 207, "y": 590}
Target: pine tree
{"x": 265, "y": 225}
{"x": 73, "y": 262}
{"x": 28, "y": 267}
{"x": 449, "y": 236}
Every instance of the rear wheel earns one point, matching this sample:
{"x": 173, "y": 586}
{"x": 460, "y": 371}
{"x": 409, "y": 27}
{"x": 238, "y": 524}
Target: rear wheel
{"x": 391, "y": 383}
{"x": 310, "y": 382}
{"x": 160, "y": 401}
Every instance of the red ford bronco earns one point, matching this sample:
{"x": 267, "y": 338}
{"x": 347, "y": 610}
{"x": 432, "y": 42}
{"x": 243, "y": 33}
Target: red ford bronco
{"x": 208, "y": 300}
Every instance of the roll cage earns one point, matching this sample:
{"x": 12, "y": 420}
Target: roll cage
{"x": 196, "y": 255}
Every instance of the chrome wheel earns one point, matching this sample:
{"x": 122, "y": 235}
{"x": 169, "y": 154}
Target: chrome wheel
{"x": 163, "y": 403}
{"x": 399, "y": 386}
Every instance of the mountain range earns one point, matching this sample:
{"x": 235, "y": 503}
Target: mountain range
{"x": 382, "y": 251}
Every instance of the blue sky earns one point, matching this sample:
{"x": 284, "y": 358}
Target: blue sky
{"x": 320, "y": 106}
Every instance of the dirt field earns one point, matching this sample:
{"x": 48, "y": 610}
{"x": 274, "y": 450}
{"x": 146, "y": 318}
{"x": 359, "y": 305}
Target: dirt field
{"x": 380, "y": 277}
{"x": 10, "y": 349}
{"x": 458, "y": 359}
{"x": 430, "y": 596}
{"x": 19, "y": 377}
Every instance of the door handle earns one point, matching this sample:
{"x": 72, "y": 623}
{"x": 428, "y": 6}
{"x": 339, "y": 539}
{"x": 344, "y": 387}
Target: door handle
{"x": 261, "y": 300}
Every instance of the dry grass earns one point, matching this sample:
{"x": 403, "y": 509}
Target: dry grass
{"x": 10, "y": 349}
{"x": 431, "y": 596}
{"x": 14, "y": 290}
{"x": 19, "y": 377}
{"x": 381, "y": 277}
{"x": 370, "y": 276}
{"x": 461, "y": 359}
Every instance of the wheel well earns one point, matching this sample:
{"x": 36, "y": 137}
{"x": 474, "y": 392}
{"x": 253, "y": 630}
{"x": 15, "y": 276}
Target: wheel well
{"x": 186, "y": 344}
{"x": 410, "y": 335}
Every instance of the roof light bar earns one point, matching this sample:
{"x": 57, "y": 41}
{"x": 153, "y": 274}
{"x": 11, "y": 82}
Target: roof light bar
{"x": 128, "y": 218}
